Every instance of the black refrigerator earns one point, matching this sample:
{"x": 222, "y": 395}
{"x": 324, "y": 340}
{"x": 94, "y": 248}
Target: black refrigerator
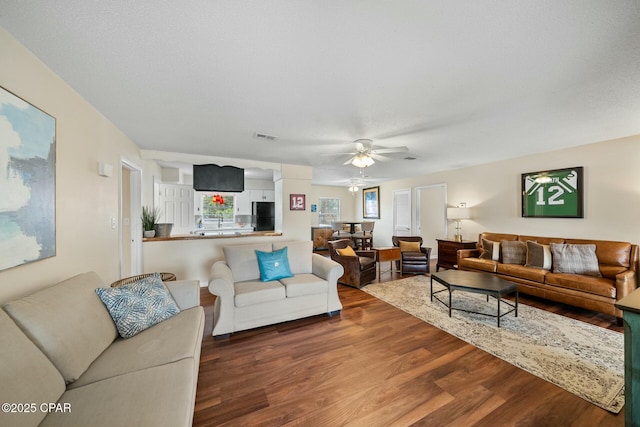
{"x": 263, "y": 216}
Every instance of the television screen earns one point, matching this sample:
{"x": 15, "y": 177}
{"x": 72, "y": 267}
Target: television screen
{"x": 218, "y": 178}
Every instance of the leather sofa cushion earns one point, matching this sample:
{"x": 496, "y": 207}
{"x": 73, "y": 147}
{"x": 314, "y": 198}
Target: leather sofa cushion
{"x": 253, "y": 292}
{"x": 479, "y": 264}
{"x": 497, "y": 237}
{"x": 68, "y": 322}
{"x": 174, "y": 339}
{"x": 413, "y": 256}
{"x": 593, "y": 285}
{"x": 366, "y": 262}
{"x": 609, "y": 253}
{"x": 304, "y": 284}
{"x": 26, "y": 375}
{"x": 522, "y": 272}
{"x": 541, "y": 240}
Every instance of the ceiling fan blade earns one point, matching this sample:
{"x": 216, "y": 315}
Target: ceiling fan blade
{"x": 390, "y": 150}
{"x": 349, "y": 161}
{"x": 378, "y": 157}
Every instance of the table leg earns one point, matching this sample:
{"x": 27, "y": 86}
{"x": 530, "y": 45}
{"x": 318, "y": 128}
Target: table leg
{"x": 498, "y": 308}
{"x": 516, "y": 302}
{"x": 450, "y": 292}
{"x": 431, "y": 288}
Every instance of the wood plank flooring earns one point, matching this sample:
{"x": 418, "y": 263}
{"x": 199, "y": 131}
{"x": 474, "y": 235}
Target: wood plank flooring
{"x": 374, "y": 365}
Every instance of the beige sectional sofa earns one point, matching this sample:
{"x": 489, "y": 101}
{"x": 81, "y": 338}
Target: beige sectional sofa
{"x": 63, "y": 364}
{"x": 244, "y": 301}
{"x": 617, "y": 263}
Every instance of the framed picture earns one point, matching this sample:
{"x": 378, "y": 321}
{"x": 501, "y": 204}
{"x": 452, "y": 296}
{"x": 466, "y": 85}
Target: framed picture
{"x": 371, "y": 203}
{"x": 28, "y": 182}
{"x": 554, "y": 193}
{"x": 296, "y": 202}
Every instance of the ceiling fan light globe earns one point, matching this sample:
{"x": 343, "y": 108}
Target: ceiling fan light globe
{"x": 362, "y": 161}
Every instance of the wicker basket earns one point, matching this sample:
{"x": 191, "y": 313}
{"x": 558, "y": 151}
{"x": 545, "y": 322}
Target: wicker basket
{"x": 166, "y": 277}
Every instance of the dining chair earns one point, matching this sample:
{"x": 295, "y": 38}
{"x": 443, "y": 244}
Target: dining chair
{"x": 364, "y": 239}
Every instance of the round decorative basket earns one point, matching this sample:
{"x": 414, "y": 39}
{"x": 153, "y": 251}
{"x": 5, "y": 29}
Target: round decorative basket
{"x": 163, "y": 229}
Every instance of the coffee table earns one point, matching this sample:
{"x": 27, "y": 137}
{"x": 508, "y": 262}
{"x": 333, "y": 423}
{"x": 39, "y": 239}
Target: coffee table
{"x": 480, "y": 283}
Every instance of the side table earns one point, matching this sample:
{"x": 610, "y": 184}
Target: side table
{"x": 448, "y": 252}
{"x": 390, "y": 254}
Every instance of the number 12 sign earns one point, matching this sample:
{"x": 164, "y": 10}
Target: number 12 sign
{"x": 297, "y": 202}
{"x": 553, "y": 194}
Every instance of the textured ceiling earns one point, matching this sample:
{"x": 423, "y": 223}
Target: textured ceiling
{"x": 457, "y": 82}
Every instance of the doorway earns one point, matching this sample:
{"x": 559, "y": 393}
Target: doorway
{"x": 130, "y": 224}
{"x": 431, "y": 215}
{"x": 402, "y": 212}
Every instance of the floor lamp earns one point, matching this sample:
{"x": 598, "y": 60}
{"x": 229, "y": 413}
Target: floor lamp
{"x": 457, "y": 215}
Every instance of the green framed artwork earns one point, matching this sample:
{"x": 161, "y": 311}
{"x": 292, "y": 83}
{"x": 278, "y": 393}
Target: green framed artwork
{"x": 554, "y": 193}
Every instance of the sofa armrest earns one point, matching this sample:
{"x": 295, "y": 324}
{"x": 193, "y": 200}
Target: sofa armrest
{"x": 221, "y": 285}
{"x": 330, "y": 271}
{"x": 325, "y": 267}
{"x": 221, "y": 280}
{"x": 185, "y": 292}
{"x": 625, "y": 284}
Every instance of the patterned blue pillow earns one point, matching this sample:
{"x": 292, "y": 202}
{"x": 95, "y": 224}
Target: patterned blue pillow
{"x": 139, "y": 305}
{"x": 273, "y": 265}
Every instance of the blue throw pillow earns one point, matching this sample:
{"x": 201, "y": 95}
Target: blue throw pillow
{"x": 273, "y": 265}
{"x": 139, "y": 305}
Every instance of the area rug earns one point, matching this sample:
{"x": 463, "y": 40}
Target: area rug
{"x": 581, "y": 358}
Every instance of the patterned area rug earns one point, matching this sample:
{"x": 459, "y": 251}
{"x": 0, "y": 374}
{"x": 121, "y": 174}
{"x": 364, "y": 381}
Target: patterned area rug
{"x": 583, "y": 359}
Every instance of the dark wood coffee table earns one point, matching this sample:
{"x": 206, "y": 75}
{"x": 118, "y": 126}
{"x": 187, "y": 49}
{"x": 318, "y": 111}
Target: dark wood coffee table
{"x": 479, "y": 283}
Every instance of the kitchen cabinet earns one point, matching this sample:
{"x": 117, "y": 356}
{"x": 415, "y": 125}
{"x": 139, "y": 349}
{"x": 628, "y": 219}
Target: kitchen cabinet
{"x": 262, "y": 195}
{"x": 243, "y": 203}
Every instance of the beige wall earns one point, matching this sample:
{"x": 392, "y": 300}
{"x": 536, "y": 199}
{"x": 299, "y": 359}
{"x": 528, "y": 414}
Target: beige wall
{"x": 85, "y": 202}
{"x": 611, "y": 194}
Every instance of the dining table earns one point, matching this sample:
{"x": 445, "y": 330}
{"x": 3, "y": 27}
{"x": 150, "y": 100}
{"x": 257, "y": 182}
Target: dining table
{"x": 352, "y": 225}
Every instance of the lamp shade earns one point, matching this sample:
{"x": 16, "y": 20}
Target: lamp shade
{"x": 458, "y": 213}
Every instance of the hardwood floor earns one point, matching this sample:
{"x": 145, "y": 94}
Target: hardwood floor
{"x": 374, "y": 365}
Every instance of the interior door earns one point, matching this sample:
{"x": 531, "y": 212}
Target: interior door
{"x": 431, "y": 214}
{"x": 176, "y": 207}
{"x": 402, "y": 212}
{"x": 130, "y": 225}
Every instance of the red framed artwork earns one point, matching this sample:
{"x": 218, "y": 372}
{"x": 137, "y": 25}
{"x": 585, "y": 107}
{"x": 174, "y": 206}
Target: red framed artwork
{"x": 297, "y": 202}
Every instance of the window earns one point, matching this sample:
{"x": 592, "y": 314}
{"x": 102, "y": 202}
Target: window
{"x": 329, "y": 210}
{"x": 213, "y": 210}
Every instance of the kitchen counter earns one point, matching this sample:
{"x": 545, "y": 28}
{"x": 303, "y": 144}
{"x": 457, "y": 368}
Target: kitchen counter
{"x": 213, "y": 234}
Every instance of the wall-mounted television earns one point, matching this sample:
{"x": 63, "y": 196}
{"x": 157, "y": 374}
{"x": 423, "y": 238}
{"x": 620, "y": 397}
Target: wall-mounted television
{"x": 218, "y": 178}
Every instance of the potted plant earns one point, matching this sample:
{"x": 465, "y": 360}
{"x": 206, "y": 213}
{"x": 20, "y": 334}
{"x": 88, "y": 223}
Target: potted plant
{"x": 149, "y": 217}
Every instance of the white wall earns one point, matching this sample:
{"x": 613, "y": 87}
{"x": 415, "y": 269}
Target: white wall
{"x": 85, "y": 202}
{"x": 492, "y": 191}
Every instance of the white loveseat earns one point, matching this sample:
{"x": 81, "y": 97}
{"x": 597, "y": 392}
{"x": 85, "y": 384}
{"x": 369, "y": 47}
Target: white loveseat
{"x": 245, "y": 302}
{"x": 62, "y": 362}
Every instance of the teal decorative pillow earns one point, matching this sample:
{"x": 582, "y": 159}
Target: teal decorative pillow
{"x": 273, "y": 265}
{"x": 139, "y": 305}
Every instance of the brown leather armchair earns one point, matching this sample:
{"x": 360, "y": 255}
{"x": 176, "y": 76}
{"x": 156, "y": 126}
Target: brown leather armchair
{"x": 358, "y": 270}
{"x": 413, "y": 262}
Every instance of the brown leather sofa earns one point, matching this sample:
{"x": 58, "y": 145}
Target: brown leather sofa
{"x": 358, "y": 270}
{"x": 413, "y": 262}
{"x": 617, "y": 262}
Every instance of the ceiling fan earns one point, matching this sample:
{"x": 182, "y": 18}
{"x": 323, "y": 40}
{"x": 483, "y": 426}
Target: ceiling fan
{"x": 366, "y": 153}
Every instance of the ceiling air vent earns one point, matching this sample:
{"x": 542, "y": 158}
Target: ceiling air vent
{"x": 264, "y": 136}
{"x": 409, "y": 158}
